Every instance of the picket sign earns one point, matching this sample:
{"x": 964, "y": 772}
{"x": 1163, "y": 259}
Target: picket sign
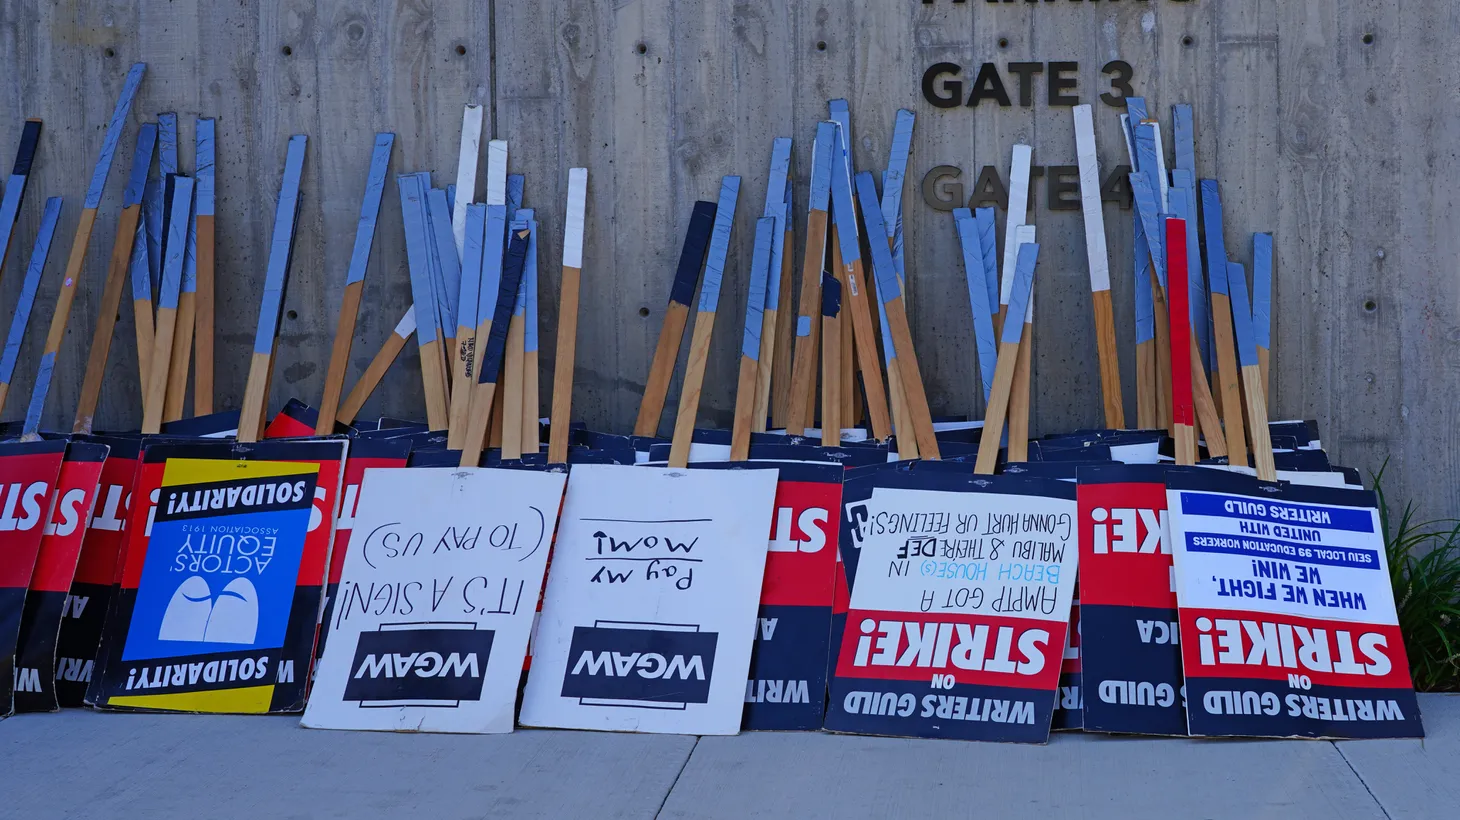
{"x": 1288, "y": 624}
{"x": 30, "y": 136}
{"x": 77, "y": 260}
{"x": 1201, "y": 314}
{"x": 531, "y": 398}
{"x": 1020, "y": 388}
{"x": 450, "y": 664}
{"x": 754, "y": 344}
{"x": 145, "y": 265}
{"x": 206, "y": 314}
{"x": 1262, "y": 457}
{"x": 785, "y": 332}
{"x": 489, "y": 362}
{"x": 1145, "y": 308}
{"x": 1262, "y": 304}
{"x": 650, "y": 610}
{"x": 772, "y": 291}
{"x": 466, "y": 174}
{"x": 180, "y": 355}
{"x": 1206, "y": 418}
{"x": 413, "y": 196}
{"x": 803, "y": 365}
{"x": 1021, "y": 286}
{"x": 179, "y": 210}
{"x": 514, "y": 370}
{"x": 676, "y": 314}
{"x": 1017, "y": 212}
{"x": 20, "y": 318}
{"x": 334, "y": 380}
{"x": 889, "y": 292}
{"x": 30, "y": 469}
{"x": 1228, "y": 373}
{"x": 564, "y": 360}
{"x": 1182, "y": 357}
{"x": 892, "y": 181}
{"x": 1147, "y": 201}
{"x": 969, "y": 230}
{"x": 1098, "y": 258}
{"x": 445, "y": 267}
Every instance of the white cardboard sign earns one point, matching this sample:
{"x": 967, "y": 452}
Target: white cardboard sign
{"x": 650, "y": 609}
{"x": 436, "y": 600}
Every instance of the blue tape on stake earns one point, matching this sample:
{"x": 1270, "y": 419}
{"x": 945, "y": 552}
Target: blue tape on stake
{"x": 1022, "y": 292}
{"x": 529, "y": 286}
{"x": 988, "y": 244}
{"x": 28, "y": 288}
{"x": 490, "y": 365}
{"x": 1185, "y": 138}
{"x": 1242, "y": 315}
{"x": 141, "y": 164}
{"x": 1183, "y": 206}
{"x": 413, "y": 216}
{"x": 522, "y": 223}
{"x": 1146, "y": 149}
{"x": 882, "y": 264}
{"x": 719, "y": 244}
{"x": 803, "y": 325}
{"x": 1145, "y": 297}
{"x": 978, "y": 297}
{"x": 760, "y": 264}
{"x": 1150, "y": 215}
{"x": 896, "y": 174}
{"x": 450, "y": 201}
{"x": 831, "y": 296}
{"x": 139, "y": 266}
{"x": 113, "y": 136}
{"x": 37, "y": 407}
{"x": 494, "y": 248}
{"x": 370, "y": 209}
{"x": 1136, "y": 108}
{"x": 206, "y": 162}
{"x": 167, "y": 143}
{"x": 153, "y": 208}
{"x": 190, "y": 252}
{"x": 841, "y": 114}
{"x": 515, "y": 186}
{"x": 177, "y": 234}
{"x": 777, "y": 207}
{"x": 471, "y": 265}
{"x": 30, "y": 137}
{"x": 281, "y": 246}
{"x": 844, "y": 213}
{"x": 1262, "y": 289}
{"x": 692, "y": 255}
{"x": 889, "y": 351}
{"x": 822, "y": 155}
{"x": 1211, "y": 217}
{"x": 448, "y": 265}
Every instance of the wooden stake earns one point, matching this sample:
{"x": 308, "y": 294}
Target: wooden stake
{"x": 445, "y": 270}
{"x": 1183, "y": 414}
{"x": 155, "y": 397}
{"x": 1018, "y": 211}
{"x": 1182, "y": 199}
{"x": 753, "y": 342}
{"x": 1262, "y": 458}
{"x": 1099, "y": 261}
{"x": 30, "y": 136}
{"x": 776, "y": 288}
{"x": 808, "y": 310}
{"x": 1145, "y": 306}
{"x": 1262, "y": 304}
{"x": 1019, "y": 393}
{"x": 831, "y": 369}
{"x": 418, "y": 249}
{"x": 276, "y": 281}
{"x": 699, "y": 349}
{"x": 203, "y": 330}
{"x": 334, "y": 380}
{"x": 77, "y": 260}
{"x": 893, "y": 180}
{"x": 564, "y": 361}
{"x": 466, "y": 175}
{"x": 890, "y": 292}
{"x": 780, "y": 396}
{"x": 1020, "y": 287}
{"x": 978, "y": 297}
{"x": 531, "y": 409}
{"x": 1223, "y": 314}
{"x": 121, "y": 258}
{"x": 676, "y": 314}
{"x": 384, "y": 358}
{"x": 489, "y": 362}
{"x": 463, "y": 358}
{"x": 21, "y": 316}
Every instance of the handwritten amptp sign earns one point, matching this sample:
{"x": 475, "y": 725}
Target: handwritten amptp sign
{"x": 959, "y": 608}
{"x": 436, "y": 600}
{"x": 1288, "y": 626}
{"x": 651, "y": 603}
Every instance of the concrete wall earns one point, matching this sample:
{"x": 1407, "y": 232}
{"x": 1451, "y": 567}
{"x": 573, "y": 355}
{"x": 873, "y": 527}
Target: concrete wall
{"x": 1346, "y": 150}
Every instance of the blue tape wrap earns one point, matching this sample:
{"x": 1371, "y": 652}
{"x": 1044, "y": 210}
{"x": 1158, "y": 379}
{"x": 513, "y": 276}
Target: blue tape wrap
{"x": 896, "y": 174}
{"x": 883, "y": 269}
{"x": 450, "y": 201}
{"x": 529, "y": 285}
{"x": 370, "y": 209}
{"x": 153, "y": 209}
{"x": 167, "y": 144}
{"x": 822, "y": 154}
{"x": 1150, "y": 215}
{"x": 1136, "y": 108}
{"x": 1145, "y": 298}
{"x": 844, "y": 213}
{"x": 1185, "y": 138}
{"x": 1242, "y": 315}
{"x": 719, "y": 244}
{"x": 37, "y": 406}
{"x": 515, "y": 186}
{"x": 113, "y": 136}
{"x": 1211, "y": 217}
{"x": 28, "y": 288}
{"x": 831, "y": 296}
{"x": 281, "y": 246}
{"x": 978, "y": 297}
{"x": 190, "y": 252}
{"x": 692, "y": 255}
{"x": 1020, "y": 294}
{"x": 141, "y": 164}
{"x": 413, "y": 217}
{"x": 988, "y": 244}
{"x": 494, "y": 248}
{"x": 471, "y": 265}
{"x": 522, "y": 223}
{"x": 1183, "y": 206}
{"x": 489, "y": 367}
{"x": 778, "y": 207}
{"x": 206, "y": 162}
{"x": 760, "y": 264}
{"x": 139, "y": 266}
{"x": 177, "y": 234}
{"x": 803, "y": 325}
{"x": 1262, "y": 289}
{"x": 448, "y": 266}
{"x": 30, "y": 137}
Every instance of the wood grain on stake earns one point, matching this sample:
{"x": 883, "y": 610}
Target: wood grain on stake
{"x": 116, "y": 275}
{"x": 1018, "y": 448}
{"x": 384, "y": 358}
{"x": 752, "y": 341}
{"x": 1223, "y": 311}
{"x": 676, "y": 314}
{"x": 1251, "y": 375}
{"x": 531, "y": 409}
{"x": 433, "y": 375}
{"x": 773, "y": 290}
{"x": 489, "y": 362}
{"x": 699, "y": 348}
{"x": 334, "y": 380}
{"x": 21, "y": 315}
{"x": 841, "y": 113}
{"x": 890, "y": 293}
{"x": 30, "y": 136}
{"x": 808, "y": 309}
{"x": 155, "y": 396}
{"x": 1020, "y": 287}
{"x": 780, "y": 398}
{"x": 271, "y": 306}
{"x": 180, "y": 353}
{"x": 564, "y": 359}
{"x": 1099, "y": 262}
{"x": 1182, "y": 412}
{"x": 74, "y": 263}
{"x": 203, "y": 329}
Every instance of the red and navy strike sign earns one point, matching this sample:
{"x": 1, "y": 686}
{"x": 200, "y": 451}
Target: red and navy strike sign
{"x": 1069, "y": 710}
{"x": 91, "y": 587}
{"x": 50, "y": 583}
{"x": 28, "y": 472}
{"x": 1288, "y": 626}
{"x": 787, "y": 684}
{"x": 959, "y": 608}
{"x": 1131, "y": 654}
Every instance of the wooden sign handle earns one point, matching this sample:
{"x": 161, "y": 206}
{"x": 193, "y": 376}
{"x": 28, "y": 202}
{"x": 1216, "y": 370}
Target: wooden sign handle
{"x": 384, "y": 358}
{"x": 565, "y": 358}
{"x": 676, "y": 315}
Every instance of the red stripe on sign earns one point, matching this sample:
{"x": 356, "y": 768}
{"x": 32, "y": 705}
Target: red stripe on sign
{"x": 801, "y": 562}
{"x": 139, "y": 522}
{"x": 26, "y": 482}
{"x": 107, "y": 534}
{"x": 1125, "y": 546}
{"x": 974, "y": 649}
{"x": 1230, "y": 644}
{"x": 71, "y": 502}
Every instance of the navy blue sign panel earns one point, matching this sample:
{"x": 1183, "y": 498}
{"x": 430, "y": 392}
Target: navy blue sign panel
{"x": 419, "y": 665}
{"x": 655, "y": 666}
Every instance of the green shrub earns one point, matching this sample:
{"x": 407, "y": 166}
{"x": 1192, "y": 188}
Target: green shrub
{"x": 1424, "y": 569}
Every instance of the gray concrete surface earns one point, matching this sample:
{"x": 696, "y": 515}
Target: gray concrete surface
{"x": 82, "y": 764}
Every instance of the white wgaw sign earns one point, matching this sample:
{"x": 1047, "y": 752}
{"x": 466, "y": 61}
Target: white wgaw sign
{"x": 436, "y": 600}
{"x": 649, "y": 616}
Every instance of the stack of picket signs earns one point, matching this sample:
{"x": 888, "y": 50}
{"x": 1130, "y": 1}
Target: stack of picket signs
{"x": 890, "y": 574}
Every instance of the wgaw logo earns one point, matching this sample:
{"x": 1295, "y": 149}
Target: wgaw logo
{"x": 419, "y": 664}
{"x": 647, "y": 665}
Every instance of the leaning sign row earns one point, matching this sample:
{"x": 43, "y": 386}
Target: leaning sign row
{"x": 908, "y": 599}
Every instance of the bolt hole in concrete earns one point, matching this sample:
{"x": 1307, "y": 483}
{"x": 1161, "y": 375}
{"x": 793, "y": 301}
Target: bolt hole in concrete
{"x": 1187, "y": 40}
{"x": 287, "y": 51}
{"x": 644, "y": 312}
{"x": 642, "y": 48}
{"x": 108, "y": 52}
{"x": 1003, "y": 42}
{"x": 1368, "y": 39}
{"x": 292, "y": 315}
{"x": 1370, "y": 306}
{"x": 821, "y": 45}
{"x": 460, "y": 50}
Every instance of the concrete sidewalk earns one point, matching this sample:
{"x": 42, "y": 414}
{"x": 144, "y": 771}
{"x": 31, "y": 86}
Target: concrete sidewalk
{"x": 84, "y": 764}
